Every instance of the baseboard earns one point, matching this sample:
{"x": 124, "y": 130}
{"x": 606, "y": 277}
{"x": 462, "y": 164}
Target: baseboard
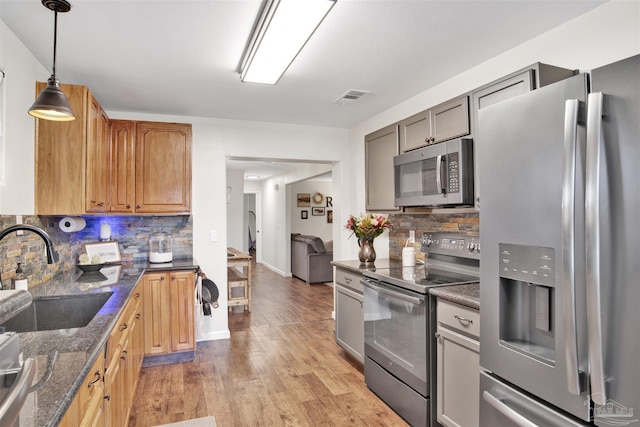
{"x": 214, "y": 335}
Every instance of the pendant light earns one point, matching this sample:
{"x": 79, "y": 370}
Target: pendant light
{"x": 52, "y": 104}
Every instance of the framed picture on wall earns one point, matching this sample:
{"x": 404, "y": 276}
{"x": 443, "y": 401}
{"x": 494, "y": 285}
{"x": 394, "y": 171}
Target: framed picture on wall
{"x": 304, "y": 200}
{"x": 317, "y": 211}
{"x": 330, "y": 216}
{"x": 304, "y": 214}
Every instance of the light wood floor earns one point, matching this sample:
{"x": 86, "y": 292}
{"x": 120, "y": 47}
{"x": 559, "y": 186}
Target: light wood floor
{"x": 281, "y": 367}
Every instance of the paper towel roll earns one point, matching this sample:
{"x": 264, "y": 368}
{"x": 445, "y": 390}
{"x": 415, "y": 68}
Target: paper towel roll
{"x": 69, "y": 224}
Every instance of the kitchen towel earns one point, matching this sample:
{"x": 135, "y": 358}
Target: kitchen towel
{"x": 70, "y": 224}
{"x": 197, "y": 422}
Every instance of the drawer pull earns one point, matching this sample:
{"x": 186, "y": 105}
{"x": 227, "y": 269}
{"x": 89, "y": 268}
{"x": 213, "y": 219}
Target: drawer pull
{"x": 348, "y": 280}
{"x": 124, "y": 355}
{"x": 123, "y": 327}
{"x": 97, "y": 378}
{"x": 137, "y": 295}
{"x": 463, "y": 320}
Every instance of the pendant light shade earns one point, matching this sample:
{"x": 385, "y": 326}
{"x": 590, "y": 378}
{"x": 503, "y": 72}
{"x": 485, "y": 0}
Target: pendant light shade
{"x": 52, "y": 104}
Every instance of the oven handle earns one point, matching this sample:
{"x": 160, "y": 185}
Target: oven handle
{"x": 394, "y": 294}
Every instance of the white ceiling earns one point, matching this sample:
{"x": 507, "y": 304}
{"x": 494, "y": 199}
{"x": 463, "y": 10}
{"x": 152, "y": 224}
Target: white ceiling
{"x": 180, "y": 57}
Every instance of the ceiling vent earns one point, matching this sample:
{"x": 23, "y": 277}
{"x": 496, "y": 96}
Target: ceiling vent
{"x": 351, "y": 95}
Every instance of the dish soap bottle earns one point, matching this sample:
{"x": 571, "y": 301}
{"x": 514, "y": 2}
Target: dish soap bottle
{"x": 20, "y": 282}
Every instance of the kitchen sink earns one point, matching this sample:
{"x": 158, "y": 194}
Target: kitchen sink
{"x": 61, "y": 312}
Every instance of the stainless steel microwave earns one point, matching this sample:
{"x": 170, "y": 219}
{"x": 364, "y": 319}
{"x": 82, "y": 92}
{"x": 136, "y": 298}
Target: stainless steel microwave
{"x": 436, "y": 175}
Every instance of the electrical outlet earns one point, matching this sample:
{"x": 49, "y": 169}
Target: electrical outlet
{"x": 214, "y": 235}
{"x": 19, "y": 221}
{"x": 412, "y": 236}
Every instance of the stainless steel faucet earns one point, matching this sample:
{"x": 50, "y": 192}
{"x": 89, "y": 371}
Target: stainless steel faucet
{"x": 52, "y": 256}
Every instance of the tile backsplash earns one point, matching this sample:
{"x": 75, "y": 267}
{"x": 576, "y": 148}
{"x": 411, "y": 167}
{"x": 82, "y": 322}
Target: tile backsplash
{"x": 466, "y": 223}
{"x": 131, "y": 232}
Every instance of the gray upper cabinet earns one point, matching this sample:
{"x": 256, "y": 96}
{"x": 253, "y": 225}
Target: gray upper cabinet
{"x": 445, "y": 121}
{"x": 380, "y": 147}
{"x": 514, "y": 84}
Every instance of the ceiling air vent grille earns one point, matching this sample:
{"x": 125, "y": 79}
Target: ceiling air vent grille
{"x": 351, "y": 95}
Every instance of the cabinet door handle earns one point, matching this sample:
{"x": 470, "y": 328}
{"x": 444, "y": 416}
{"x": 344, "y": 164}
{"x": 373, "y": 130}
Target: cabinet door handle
{"x": 173, "y": 277}
{"x": 107, "y": 397}
{"x": 97, "y": 377}
{"x": 124, "y": 355}
{"x": 348, "y": 280}
{"x": 161, "y": 277}
{"x": 101, "y": 204}
{"x": 463, "y": 320}
{"x": 137, "y": 295}
{"x": 138, "y": 206}
{"x": 138, "y": 316}
{"x": 128, "y": 206}
{"x": 123, "y": 327}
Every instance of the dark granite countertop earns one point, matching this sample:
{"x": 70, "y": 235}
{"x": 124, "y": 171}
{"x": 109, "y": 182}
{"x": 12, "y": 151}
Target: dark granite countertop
{"x": 357, "y": 267}
{"x": 77, "y": 348}
{"x": 468, "y": 295}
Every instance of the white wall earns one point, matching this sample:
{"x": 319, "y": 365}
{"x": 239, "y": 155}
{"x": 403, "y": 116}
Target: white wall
{"x": 235, "y": 209}
{"x": 313, "y": 225}
{"x": 17, "y": 178}
{"x": 606, "y": 34}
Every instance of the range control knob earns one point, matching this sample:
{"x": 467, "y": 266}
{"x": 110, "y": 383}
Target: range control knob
{"x": 478, "y": 248}
{"x": 427, "y": 241}
{"x": 471, "y": 247}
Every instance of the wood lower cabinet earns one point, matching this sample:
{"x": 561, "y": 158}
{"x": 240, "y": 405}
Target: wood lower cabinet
{"x": 169, "y": 300}
{"x": 458, "y": 364}
{"x": 87, "y": 407}
{"x": 123, "y": 361}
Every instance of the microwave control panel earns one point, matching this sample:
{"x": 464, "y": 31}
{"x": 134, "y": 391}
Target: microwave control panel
{"x": 453, "y": 166}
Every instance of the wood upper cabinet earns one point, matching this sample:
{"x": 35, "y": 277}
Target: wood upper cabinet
{"x": 123, "y": 159}
{"x": 163, "y": 167}
{"x": 169, "y": 312}
{"x": 60, "y": 157}
{"x": 98, "y": 158}
{"x": 379, "y": 149}
{"x": 445, "y": 121}
{"x": 94, "y": 165}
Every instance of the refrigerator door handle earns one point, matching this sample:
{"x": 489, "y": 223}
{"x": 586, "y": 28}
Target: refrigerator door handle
{"x": 439, "y": 173}
{"x": 504, "y": 409}
{"x": 572, "y": 107}
{"x": 592, "y": 243}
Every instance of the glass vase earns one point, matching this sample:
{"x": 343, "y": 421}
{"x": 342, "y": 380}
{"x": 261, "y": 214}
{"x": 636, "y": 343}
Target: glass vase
{"x": 367, "y": 253}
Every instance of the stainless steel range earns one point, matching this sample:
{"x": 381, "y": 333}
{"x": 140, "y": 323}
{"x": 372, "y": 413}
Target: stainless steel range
{"x": 399, "y": 322}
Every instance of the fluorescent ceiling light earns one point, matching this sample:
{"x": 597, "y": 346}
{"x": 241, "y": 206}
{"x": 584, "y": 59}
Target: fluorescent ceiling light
{"x": 252, "y": 177}
{"x": 282, "y": 30}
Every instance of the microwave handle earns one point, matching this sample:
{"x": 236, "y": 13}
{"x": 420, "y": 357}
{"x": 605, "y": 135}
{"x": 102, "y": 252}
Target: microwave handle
{"x": 439, "y": 173}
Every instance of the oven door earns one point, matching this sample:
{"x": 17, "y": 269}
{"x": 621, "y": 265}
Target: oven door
{"x": 395, "y": 329}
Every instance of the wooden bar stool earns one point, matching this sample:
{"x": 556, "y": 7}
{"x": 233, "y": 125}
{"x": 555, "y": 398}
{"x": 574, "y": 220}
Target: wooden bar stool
{"x": 238, "y": 277}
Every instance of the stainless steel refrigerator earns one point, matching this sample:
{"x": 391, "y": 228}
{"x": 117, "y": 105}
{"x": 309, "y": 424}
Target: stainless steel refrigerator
{"x": 560, "y": 261}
